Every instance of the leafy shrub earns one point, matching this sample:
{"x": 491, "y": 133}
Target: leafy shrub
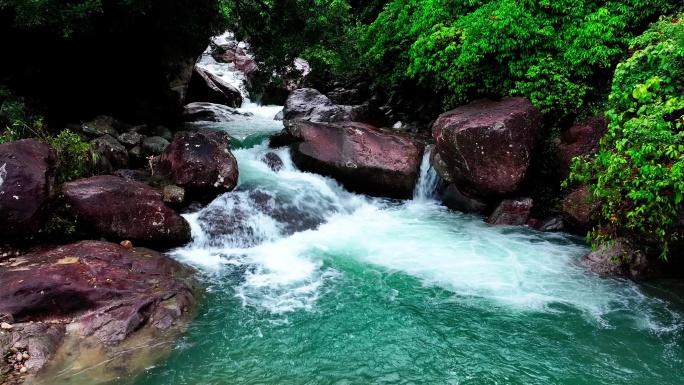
{"x": 74, "y": 159}
{"x": 639, "y": 171}
{"x": 559, "y": 54}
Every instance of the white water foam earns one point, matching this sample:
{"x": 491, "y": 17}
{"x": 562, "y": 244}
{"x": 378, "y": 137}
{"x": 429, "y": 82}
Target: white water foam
{"x": 279, "y": 255}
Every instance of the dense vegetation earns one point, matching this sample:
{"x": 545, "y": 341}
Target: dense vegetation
{"x": 114, "y": 57}
{"x": 639, "y": 173}
{"x": 560, "y": 54}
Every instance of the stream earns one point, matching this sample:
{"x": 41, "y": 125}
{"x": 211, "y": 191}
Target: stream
{"x": 307, "y": 283}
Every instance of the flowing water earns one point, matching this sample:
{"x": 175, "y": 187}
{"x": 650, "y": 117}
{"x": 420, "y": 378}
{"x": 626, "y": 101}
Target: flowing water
{"x": 310, "y": 284}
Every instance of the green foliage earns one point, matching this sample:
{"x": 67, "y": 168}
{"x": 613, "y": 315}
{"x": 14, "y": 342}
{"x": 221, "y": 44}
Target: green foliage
{"x": 639, "y": 172}
{"x": 320, "y": 31}
{"x": 560, "y": 54}
{"x": 74, "y": 159}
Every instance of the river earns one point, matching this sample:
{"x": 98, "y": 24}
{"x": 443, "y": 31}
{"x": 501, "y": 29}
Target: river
{"x": 307, "y": 283}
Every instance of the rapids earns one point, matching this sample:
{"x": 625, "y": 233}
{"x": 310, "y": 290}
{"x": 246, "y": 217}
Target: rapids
{"x": 307, "y": 283}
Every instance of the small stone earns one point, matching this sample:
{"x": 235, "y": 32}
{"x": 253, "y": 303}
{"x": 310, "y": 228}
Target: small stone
{"x": 20, "y": 357}
{"x": 25, "y": 356}
{"x": 14, "y": 350}
{"x": 23, "y": 369}
{"x": 5, "y": 326}
{"x": 127, "y": 244}
{"x": 174, "y": 194}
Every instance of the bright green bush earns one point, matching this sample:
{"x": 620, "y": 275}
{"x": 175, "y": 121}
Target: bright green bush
{"x": 560, "y": 54}
{"x": 74, "y": 158}
{"x": 639, "y": 172}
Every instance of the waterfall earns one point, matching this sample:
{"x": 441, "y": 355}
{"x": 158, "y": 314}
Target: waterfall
{"x": 428, "y": 181}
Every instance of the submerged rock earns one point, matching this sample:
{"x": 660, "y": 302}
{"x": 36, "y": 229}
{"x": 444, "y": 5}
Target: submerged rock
{"x": 201, "y": 163}
{"x": 273, "y": 161}
{"x": 487, "y": 146}
{"x": 456, "y": 200}
{"x": 513, "y": 212}
{"x": 92, "y": 294}
{"x": 117, "y": 209}
{"x": 622, "y": 260}
{"x": 27, "y": 179}
{"x": 361, "y": 157}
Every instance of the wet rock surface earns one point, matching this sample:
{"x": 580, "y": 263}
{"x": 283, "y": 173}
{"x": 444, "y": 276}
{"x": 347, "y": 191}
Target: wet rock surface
{"x": 487, "y": 145}
{"x": 578, "y": 210}
{"x": 207, "y": 87}
{"x": 580, "y": 139}
{"x": 27, "y": 181}
{"x": 310, "y": 105}
{"x": 622, "y": 260}
{"x": 90, "y": 295}
{"x": 512, "y": 212}
{"x": 115, "y": 208}
{"x": 201, "y": 162}
{"x": 211, "y": 112}
{"x": 361, "y": 157}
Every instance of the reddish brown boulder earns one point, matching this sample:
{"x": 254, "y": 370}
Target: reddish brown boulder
{"x": 578, "y": 211}
{"x": 118, "y": 209}
{"x": 512, "y": 212}
{"x": 233, "y": 53}
{"x": 105, "y": 293}
{"x": 487, "y": 145}
{"x": 27, "y": 181}
{"x": 201, "y": 163}
{"x": 361, "y": 157}
{"x": 309, "y": 104}
{"x": 580, "y": 139}
{"x": 206, "y": 87}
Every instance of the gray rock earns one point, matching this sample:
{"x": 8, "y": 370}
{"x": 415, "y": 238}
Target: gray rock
{"x": 154, "y": 145}
{"x": 162, "y": 132}
{"x": 210, "y": 112}
{"x": 550, "y": 225}
{"x": 622, "y": 260}
{"x": 109, "y": 148}
{"x": 130, "y": 139}
{"x": 101, "y": 125}
{"x": 174, "y": 194}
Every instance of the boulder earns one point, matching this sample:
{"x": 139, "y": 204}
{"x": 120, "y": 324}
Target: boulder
{"x": 154, "y": 145}
{"x": 273, "y": 161}
{"x": 487, "y": 146}
{"x": 201, "y": 163}
{"x": 130, "y": 139}
{"x": 233, "y": 53}
{"x": 173, "y": 194}
{"x": 456, "y": 200}
{"x": 578, "y": 211}
{"x": 207, "y": 87}
{"x": 513, "y": 212}
{"x": 27, "y": 179}
{"x": 101, "y": 125}
{"x": 549, "y": 225}
{"x": 92, "y": 294}
{"x": 309, "y": 104}
{"x": 580, "y": 139}
{"x": 361, "y": 157}
{"x": 107, "y": 147}
{"x": 134, "y": 175}
{"x": 211, "y": 112}
{"x": 118, "y": 209}
{"x": 622, "y": 260}
{"x": 162, "y": 132}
